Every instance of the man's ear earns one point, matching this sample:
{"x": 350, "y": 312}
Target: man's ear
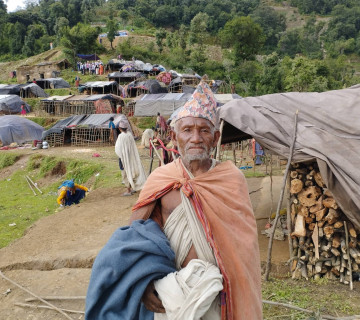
{"x": 173, "y": 138}
{"x": 216, "y": 138}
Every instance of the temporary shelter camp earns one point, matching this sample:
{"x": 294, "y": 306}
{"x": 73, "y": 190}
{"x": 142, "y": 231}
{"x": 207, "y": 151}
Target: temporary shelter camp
{"x": 83, "y": 130}
{"x": 125, "y": 77}
{"x": 28, "y": 90}
{"x": 136, "y": 88}
{"x": 115, "y": 64}
{"x": 81, "y": 104}
{"x": 52, "y": 83}
{"x": 18, "y": 129}
{"x": 11, "y": 104}
{"x": 328, "y": 132}
{"x": 98, "y": 87}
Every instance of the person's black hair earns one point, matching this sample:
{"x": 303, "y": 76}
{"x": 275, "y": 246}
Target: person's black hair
{"x": 123, "y": 129}
{"x": 111, "y": 119}
{"x": 158, "y": 113}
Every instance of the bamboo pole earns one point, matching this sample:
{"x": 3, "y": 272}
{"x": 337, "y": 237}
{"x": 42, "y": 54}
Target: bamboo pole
{"x": 34, "y": 295}
{"x": 34, "y": 184}
{"x": 157, "y": 153}
{"x": 219, "y": 142}
{"x": 288, "y": 218}
{"x": 151, "y": 161}
{"x": 30, "y": 186}
{"x": 33, "y": 306}
{"x": 268, "y": 262}
{"x": 348, "y": 253}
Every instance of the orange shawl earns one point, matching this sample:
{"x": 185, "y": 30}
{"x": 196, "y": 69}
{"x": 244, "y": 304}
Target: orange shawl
{"x": 221, "y": 201}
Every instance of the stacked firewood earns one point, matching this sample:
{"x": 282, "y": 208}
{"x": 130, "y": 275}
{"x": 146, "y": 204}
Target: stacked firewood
{"x": 324, "y": 241}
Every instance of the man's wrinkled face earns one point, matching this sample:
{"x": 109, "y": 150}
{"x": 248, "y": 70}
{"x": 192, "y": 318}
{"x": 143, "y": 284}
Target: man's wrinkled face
{"x": 195, "y": 138}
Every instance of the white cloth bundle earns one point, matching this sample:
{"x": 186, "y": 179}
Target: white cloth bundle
{"x": 191, "y": 293}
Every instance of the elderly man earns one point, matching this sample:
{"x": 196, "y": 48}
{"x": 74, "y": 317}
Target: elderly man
{"x": 204, "y": 210}
{"x": 130, "y": 165}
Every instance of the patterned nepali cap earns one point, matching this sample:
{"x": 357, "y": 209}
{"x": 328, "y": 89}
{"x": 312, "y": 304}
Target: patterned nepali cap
{"x": 202, "y": 104}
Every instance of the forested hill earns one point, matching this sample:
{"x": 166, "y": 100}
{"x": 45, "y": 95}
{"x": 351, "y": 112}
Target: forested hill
{"x": 267, "y": 45}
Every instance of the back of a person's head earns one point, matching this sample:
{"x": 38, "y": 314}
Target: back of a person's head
{"x": 158, "y": 113}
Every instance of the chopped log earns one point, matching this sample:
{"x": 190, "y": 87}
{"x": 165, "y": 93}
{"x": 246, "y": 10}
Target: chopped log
{"x": 335, "y": 252}
{"x": 310, "y": 270}
{"x": 315, "y": 239}
{"x": 301, "y": 241}
{"x": 295, "y": 165}
{"x": 337, "y": 262}
{"x": 329, "y": 275}
{"x": 302, "y": 170}
{"x": 336, "y": 241}
{"x": 296, "y": 186}
{"x": 312, "y": 171}
{"x": 354, "y": 266}
{"x": 311, "y": 226}
{"x": 321, "y": 213}
{"x": 354, "y": 253}
{"x": 318, "y": 206}
{"x": 304, "y": 211}
{"x": 353, "y": 242}
{"x": 319, "y": 180}
{"x": 308, "y": 220}
{"x": 293, "y": 174}
{"x": 296, "y": 201}
{"x": 330, "y": 203}
{"x": 295, "y": 243}
{"x": 321, "y": 230}
{"x": 352, "y": 230}
{"x": 328, "y": 230}
{"x": 338, "y": 224}
{"x": 335, "y": 271}
{"x": 300, "y": 230}
{"x": 300, "y": 176}
{"x": 325, "y": 246}
{"x": 325, "y": 254}
{"x": 293, "y": 213}
{"x": 308, "y": 196}
{"x": 318, "y": 266}
{"x": 343, "y": 246}
{"x": 321, "y": 224}
{"x": 328, "y": 193}
{"x": 328, "y": 263}
{"x": 309, "y": 177}
{"x": 308, "y": 183}
{"x": 332, "y": 216}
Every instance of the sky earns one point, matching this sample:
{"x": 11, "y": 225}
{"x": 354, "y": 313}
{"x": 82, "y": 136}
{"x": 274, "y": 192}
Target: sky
{"x": 13, "y": 4}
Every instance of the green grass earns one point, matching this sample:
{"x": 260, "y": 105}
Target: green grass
{"x": 20, "y": 206}
{"x": 8, "y": 159}
{"x": 318, "y": 296}
{"x": 144, "y": 122}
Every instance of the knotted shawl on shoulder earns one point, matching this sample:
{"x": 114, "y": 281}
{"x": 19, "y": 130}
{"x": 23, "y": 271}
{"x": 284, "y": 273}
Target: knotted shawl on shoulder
{"x": 221, "y": 201}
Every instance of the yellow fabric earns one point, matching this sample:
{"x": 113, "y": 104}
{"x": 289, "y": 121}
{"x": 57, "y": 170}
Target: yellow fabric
{"x": 62, "y": 192}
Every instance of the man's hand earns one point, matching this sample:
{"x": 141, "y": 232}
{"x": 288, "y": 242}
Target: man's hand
{"x": 151, "y": 301}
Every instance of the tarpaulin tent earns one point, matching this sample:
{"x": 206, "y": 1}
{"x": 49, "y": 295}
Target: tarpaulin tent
{"x": 88, "y": 57}
{"x": 52, "y": 83}
{"x": 18, "y": 129}
{"x": 11, "y": 104}
{"x": 328, "y": 131}
{"x": 125, "y": 77}
{"x": 103, "y": 87}
{"x": 26, "y": 90}
{"x": 165, "y": 103}
{"x": 151, "y": 86}
{"x": 84, "y": 130}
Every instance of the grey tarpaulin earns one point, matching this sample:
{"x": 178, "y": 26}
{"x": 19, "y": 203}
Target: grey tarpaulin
{"x": 328, "y": 131}
{"x": 18, "y": 129}
{"x": 11, "y": 104}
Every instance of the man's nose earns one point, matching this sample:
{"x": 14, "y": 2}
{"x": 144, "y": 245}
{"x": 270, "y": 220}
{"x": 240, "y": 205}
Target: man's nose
{"x": 196, "y": 137}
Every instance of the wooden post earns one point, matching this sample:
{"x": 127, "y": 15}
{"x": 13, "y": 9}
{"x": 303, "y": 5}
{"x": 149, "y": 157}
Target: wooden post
{"x": 288, "y": 218}
{"x": 348, "y": 253}
{"x": 219, "y": 142}
{"x": 157, "y": 153}
{"x": 151, "y": 161}
{"x": 268, "y": 262}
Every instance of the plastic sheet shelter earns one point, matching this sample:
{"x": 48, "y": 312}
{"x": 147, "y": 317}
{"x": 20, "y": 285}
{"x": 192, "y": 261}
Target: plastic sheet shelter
{"x": 27, "y": 90}
{"x": 84, "y": 130}
{"x": 102, "y": 87}
{"x": 328, "y": 130}
{"x": 18, "y": 129}
{"x": 11, "y": 104}
{"x": 166, "y": 103}
{"x": 52, "y": 83}
{"x": 125, "y": 77}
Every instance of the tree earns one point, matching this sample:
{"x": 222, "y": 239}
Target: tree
{"x": 111, "y": 26}
{"x": 160, "y": 35}
{"x": 198, "y": 28}
{"x": 79, "y": 39}
{"x": 289, "y": 43}
{"x": 124, "y": 16}
{"x": 272, "y": 24}
{"x": 244, "y": 36}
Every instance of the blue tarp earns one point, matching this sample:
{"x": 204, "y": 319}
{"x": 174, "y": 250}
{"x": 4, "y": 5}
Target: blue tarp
{"x": 89, "y": 57}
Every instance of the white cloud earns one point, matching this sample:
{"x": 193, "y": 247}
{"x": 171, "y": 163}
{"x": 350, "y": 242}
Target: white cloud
{"x": 14, "y": 5}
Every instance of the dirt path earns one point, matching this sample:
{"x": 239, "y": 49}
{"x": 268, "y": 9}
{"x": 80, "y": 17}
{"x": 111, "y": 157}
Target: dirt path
{"x": 55, "y": 256}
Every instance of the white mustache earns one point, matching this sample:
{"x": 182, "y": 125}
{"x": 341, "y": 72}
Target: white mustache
{"x": 199, "y": 145}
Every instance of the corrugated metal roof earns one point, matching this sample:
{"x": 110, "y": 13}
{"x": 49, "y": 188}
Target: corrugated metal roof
{"x": 57, "y": 98}
{"x": 94, "y": 84}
